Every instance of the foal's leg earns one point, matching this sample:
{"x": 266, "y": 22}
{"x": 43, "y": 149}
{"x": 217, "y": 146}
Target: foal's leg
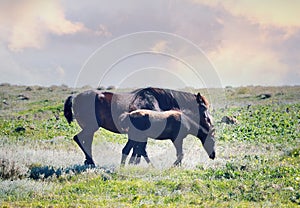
{"x": 84, "y": 140}
{"x": 125, "y": 151}
{"x": 178, "y": 145}
{"x": 140, "y": 150}
{"x": 144, "y": 152}
{"x": 134, "y": 155}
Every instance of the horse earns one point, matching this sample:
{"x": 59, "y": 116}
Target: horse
{"x": 93, "y": 109}
{"x": 173, "y": 124}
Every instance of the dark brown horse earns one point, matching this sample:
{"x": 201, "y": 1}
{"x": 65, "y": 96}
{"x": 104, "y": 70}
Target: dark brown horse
{"x": 94, "y": 109}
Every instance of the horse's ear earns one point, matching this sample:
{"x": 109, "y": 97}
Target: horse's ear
{"x": 199, "y": 98}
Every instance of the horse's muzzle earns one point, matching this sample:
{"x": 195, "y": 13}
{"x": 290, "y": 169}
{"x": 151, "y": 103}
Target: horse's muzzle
{"x": 212, "y": 155}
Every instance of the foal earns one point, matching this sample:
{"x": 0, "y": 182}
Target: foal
{"x": 141, "y": 124}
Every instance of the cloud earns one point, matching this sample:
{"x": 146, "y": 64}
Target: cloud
{"x": 259, "y": 67}
{"x": 246, "y": 55}
{"x": 60, "y": 71}
{"x": 277, "y": 13}
{"x": 249, "y": 42}
{"x": 103, "y": 31}
{"x": 159, "y": 46}
{"x": 257, "y": 41}
{"x": 26, "y": 23}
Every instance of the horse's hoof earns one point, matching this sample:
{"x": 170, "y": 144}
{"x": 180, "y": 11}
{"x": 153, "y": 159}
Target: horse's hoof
{"x": 131, "y": 161}
{"x": 151, "y": 165}
{"x": 122, "y": 164}
{"x": 90, "y": 163}
{"x": 177, "y": 164}
{"x": 137, "y": 161}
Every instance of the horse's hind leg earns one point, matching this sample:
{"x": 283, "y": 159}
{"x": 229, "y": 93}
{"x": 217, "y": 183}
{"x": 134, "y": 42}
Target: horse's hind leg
{"x": 84, "y": 140}
{"x": 84, "y": 108}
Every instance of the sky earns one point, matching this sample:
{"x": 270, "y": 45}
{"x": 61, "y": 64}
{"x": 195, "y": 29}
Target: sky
{"x": 136, "y": 43}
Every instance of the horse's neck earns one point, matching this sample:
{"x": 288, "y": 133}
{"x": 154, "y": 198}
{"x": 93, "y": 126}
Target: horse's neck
{"x": 191, "y": 122}
{"x": 194, "y": 123}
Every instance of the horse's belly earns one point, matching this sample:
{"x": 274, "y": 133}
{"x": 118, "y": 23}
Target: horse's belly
{"x": 165, "y": 131}
{"x": 167, "y": 135}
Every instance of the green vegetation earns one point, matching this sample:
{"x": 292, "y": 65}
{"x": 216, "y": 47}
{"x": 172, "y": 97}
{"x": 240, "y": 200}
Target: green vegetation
{"x": 258, "y": 161}
{"x": 268, "y": 123}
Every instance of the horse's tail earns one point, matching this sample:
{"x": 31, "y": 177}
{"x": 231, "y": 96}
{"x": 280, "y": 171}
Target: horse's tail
{"x": 68, "y": 109}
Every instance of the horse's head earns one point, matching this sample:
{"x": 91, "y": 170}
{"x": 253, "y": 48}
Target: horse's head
{"x": 206, "y": 128}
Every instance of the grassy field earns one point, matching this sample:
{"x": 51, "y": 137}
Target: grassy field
{"x": 257, "y": 165}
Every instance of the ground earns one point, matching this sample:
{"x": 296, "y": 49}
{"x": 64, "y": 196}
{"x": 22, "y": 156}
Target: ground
{"x": 257, "y": 160}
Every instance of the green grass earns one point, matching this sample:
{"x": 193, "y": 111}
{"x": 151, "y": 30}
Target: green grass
{"x": 268, "y": 124}
{"x": 269, "y": 176}
{"x": 265, "y": 184}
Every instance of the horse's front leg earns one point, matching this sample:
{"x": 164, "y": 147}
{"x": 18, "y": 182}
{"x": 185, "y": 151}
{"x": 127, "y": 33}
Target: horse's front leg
{"x": 125, "y": 151}
{"x": 84, "y": 140}
{"x": 139, "y": 150}
{"x": 178, "y": 145}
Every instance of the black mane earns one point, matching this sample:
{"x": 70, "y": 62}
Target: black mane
{"x": 160, "y": 99}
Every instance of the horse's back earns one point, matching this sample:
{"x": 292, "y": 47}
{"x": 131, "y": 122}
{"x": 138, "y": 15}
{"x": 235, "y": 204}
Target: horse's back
{"x": 159, "y": 115}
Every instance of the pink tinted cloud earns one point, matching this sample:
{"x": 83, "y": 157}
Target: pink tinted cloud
{"x": 26, "y": 23}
